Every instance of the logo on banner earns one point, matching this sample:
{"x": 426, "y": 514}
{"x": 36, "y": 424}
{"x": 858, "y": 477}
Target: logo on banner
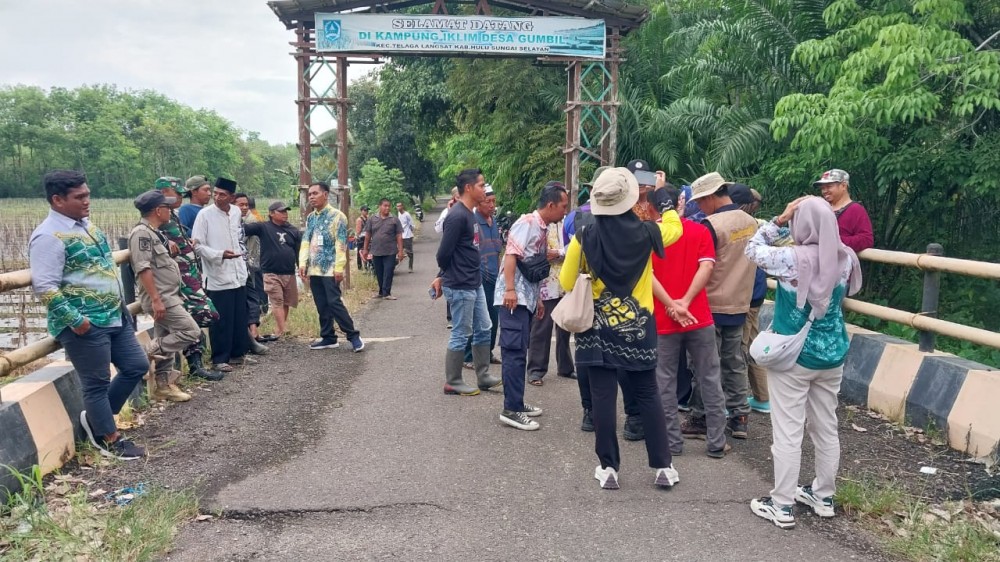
{"x": 331, "y": 30}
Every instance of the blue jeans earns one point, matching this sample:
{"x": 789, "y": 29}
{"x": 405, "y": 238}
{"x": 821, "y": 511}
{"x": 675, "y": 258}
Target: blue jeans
{"x": 92, "y": 355}
{"x": 469, "y": 317}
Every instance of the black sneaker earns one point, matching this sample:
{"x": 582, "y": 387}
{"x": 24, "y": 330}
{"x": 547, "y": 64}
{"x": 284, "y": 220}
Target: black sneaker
{"x": 520, "y": 420}
{"x": 124, "y": 450}
{"x": 324, "y": 344}
{"x": 694, "y": 428}
{"x": 588, "y": 422}
{"x": 633, "y": 430}
{"x": 737, "y": 426}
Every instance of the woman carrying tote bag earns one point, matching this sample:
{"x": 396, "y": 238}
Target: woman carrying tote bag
{"x": 617, "y": 249}
{"x": 813, "y": 276}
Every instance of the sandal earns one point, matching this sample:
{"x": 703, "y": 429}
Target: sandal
{"x": 536, "y": 382}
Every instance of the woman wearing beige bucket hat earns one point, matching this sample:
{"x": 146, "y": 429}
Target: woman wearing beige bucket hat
{"x": 616, "y": 249}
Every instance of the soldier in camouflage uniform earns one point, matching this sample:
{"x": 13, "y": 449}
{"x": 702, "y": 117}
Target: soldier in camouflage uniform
{"x": 197, "y": 303}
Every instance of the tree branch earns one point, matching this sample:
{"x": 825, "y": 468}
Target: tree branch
{"x": 990, "y": 38}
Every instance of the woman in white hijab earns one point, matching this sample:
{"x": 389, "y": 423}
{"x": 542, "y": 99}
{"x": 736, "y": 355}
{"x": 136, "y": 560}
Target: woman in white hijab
{"x": 813, "y": 276}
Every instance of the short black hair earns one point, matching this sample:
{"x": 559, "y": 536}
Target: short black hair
{"x": 241, "y": 195}
{"x": 551, "y": 193}
{"x": 59, "y": 182}
{"x": 467, "y": 177}
{"x": 322, "y": 185}
{"x": 384, "y": 200}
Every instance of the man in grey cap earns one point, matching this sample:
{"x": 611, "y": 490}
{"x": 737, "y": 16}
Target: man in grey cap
{"x": 158, "y": 284}
{"x": 279, "y": 244}
{"x": 199, "y": 190}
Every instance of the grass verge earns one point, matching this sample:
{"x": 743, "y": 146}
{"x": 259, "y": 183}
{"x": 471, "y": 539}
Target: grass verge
{"x": 67, "y": 520}
{"x": 303, "y": 320}
{"x": 956, "y": 531}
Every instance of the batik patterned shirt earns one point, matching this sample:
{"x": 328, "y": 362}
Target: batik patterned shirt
{"x": 527, "y": 237}
{"x": 323, "y": 251}
{"x": 73, "y": 273}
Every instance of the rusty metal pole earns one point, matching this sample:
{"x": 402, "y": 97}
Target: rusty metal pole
{"x": 929, "y": 304}
{"x": 302, "y": 60}
{"x": 610, "y": 152}
{"x": 572, "y": 148}
{"x": 342, "y": 173}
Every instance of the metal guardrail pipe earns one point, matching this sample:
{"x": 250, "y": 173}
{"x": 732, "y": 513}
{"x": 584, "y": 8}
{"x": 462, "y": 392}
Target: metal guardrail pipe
{"x": 929, "y": 262}
{"x": 35, "y": 351}
{"x": 22, "y": 277}
{"x": 919, "y": 321}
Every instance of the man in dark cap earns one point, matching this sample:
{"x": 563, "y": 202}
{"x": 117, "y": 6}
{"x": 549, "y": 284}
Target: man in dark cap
{"x": 279, "y": 245}
{"x": 219, "y": 232}
{"x": 158, "y": 284}
{"x": 196, "y": 302}
{"x": 199, "y": 190}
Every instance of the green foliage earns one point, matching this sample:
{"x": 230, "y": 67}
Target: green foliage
{"x": 124, "y": 140}
{"x": 379, "y": 182}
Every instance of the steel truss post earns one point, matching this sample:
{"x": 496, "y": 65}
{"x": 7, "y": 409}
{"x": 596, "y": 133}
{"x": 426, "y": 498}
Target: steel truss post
{"x": 591, "y": 113}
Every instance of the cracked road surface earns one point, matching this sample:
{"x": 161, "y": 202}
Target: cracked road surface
{"x": 330, "y": 455}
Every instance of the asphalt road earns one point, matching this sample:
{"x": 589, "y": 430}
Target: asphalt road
{"x": 330, "y": 455}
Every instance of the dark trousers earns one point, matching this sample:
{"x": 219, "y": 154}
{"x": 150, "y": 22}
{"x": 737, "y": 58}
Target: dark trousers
{"x": 684, "y": 377}
{"x": 515, "y": 329}
{"x": 256, "y": 298}
{"x": 541, "y": 345}
{"x": 384, "y": 266}
{"x": 229, "y": 336}
{"x": 92, "y": 355}
{"x": 628, "y": 397}
{"x": 489, "y": 287}
{"x": 408, "y": 248}
{"x": 330, "y": 305}
{"x": 604, "y": 396}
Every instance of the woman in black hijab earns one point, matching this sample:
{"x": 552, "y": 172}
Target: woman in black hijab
{"x": 615, "y": 247}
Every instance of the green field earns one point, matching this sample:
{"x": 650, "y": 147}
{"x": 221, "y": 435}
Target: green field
{"x": 19, "y": 217}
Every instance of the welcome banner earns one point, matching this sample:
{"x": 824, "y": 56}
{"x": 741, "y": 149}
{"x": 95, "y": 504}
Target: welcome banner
{"x": 404, "y": 33}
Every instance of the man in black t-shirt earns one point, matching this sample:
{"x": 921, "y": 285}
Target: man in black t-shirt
{"x": 279, "y": 243}
{"x": 461, "y": 283}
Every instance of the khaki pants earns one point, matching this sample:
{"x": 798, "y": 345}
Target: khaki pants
{"x": 796, "y": 395}
{"x": 174, "y": 333}
{"x": 757, "y": 374}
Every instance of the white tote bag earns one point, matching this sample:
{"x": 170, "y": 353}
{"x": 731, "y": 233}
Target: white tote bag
{"x": 575, "y": 312}
{"x": 775, "y": 351}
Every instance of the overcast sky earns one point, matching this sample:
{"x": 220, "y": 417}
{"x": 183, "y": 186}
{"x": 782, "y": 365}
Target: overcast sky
{"x": 231, "y": 56}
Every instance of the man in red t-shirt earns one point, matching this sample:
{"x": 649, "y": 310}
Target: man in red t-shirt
{"x": 683, "y": 272}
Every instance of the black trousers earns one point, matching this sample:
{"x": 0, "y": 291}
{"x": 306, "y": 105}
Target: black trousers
{"x": 628, "y": 397}
{"x": 384, "y": 266}
{"x": 256, "y": 297}
{"x": 229, "y": 336}
{"x": 330, "y": 305}
{"x": 604, "y": 396}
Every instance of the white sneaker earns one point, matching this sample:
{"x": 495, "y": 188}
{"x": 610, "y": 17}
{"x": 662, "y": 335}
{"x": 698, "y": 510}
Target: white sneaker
{"x": 777, "y": 514}
{"x": 518, "y": 420}
{"x": 822, "y": 507}
{"x": 667, "y": 477}
{"x": 608, "y": 477}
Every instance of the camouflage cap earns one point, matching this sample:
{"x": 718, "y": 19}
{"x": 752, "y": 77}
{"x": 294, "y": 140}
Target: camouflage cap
{"x": 833, "y": 176}
{"x": 170, "y": 182}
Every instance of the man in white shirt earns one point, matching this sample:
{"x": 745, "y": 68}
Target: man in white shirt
{"x": 407, "y": 221}
{"x": 218, "y": 231}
